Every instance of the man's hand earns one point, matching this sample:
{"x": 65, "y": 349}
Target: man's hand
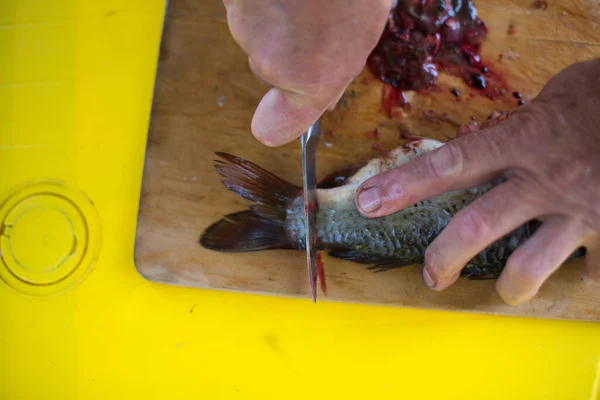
{"x": 549, "y": 151}
{"x": 308, "y": 50}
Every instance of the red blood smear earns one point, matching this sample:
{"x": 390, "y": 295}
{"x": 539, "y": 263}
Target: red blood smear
{"x": 374, "y": 134}
{"x": 307, "y": 209}
{"x": 310, "y": 206}
{"x": 321, "y": 273}
{"x": 392, "y": 98}
{"x": 422, "y": 36}
{"x": 404, "y": 133}
{"x": 435, "y": 118}
{"x": 511, "y": 30}
{"x": 466, "y": 129}
{"x": 320, "y": 267}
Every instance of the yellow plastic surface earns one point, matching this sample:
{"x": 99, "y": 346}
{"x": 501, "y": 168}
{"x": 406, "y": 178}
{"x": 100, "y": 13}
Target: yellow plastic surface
{"x": 49, "y": 238}
{"x": 76, "y": 80}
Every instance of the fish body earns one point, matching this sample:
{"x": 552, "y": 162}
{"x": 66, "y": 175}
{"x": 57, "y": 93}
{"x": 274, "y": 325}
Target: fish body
{"x": 276, "y": 220}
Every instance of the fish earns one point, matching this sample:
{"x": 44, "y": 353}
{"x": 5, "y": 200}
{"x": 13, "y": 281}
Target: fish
{"x": 275, "y": 219}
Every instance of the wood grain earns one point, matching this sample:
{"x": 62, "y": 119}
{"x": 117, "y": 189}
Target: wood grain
{"x": 204, "y": 101}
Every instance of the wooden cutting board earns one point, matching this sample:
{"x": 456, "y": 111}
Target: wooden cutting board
{"x": 204, "y": 101}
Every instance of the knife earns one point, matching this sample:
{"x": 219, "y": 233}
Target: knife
{"x": 310, "y": 140}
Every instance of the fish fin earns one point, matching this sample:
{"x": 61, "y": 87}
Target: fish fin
{"x": 339, "y": 178}
{"x": 386, "y": 265}
{"x": 378, "y": 264}
{"x": 269, "y": 213}
{"x": 256, "y": 184}
{"x": 260, "y": 228}
{"x": 245, "y": 231}
{"x": 580, "y": 252}
{"x": 352, "y": 255}
{"x": 478, "y": 272}
{"x": 481, "y": 276}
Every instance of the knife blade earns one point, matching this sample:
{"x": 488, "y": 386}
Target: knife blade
{"x": 310, "y": 140}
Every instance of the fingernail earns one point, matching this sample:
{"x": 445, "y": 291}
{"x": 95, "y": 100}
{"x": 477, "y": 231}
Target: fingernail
{"x": 427, "y": 278}
{"x": 368, "y": 199}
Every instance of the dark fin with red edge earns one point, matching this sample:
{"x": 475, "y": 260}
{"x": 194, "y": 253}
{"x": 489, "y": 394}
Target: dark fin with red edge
{"x": 256, "y": 184}
{"x": 339, "y": 178}
{"x": 378, "y": 264}
{"x": 245, "y": 232}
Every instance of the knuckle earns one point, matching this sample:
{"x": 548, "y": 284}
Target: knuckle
{"x": 524, "y": 270}
{"x": 530, "y": 275}
{"x": 592, "y": 259}
{"x": 447, "y": 161}
{"x": 267, "y": 68}
{"x": 566, "y": 172}
{"x": 514, "y": 287}
{"x": 592, "y": 270}
{"x": 534, "y": 116}
{"x": 473, "y": 223}
{"x": 393, "y": 189}
{"x": 508, "y": 296}
{"x": 593, "y": 273}
{"x": 530, "y": 192}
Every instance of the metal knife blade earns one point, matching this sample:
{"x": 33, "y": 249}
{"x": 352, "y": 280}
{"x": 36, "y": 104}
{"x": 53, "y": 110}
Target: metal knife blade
{"x": 310, "y": 140}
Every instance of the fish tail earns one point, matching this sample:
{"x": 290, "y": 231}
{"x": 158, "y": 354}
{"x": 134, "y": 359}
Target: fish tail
{"x": 245, "y": 232}
{"x": 262, "y": 227}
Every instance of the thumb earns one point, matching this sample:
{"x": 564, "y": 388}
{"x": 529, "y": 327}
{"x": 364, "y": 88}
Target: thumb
{"x": 282, "y": 115}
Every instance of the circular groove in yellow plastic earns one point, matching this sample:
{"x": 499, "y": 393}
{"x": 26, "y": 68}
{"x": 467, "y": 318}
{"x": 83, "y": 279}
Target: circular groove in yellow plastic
{"x": 49, "y": 238}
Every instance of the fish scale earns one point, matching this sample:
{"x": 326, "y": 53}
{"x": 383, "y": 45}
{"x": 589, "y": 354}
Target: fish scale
{"x": 413, "y": 228}
{"x": 402, "y": 236}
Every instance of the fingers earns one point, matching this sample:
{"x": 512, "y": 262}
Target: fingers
{"x": 254, "y": 69}
{"x": 592, "y": 262}
{"x": 336, "y": 100}
{"x": 531, "y": 264}
{"x": 474, "y": 228}
{"x": 465, "y": 162}
{"x": 282, "y": 116}
{"x": 278, "y": 118}
{"x": 309, "y": 51}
